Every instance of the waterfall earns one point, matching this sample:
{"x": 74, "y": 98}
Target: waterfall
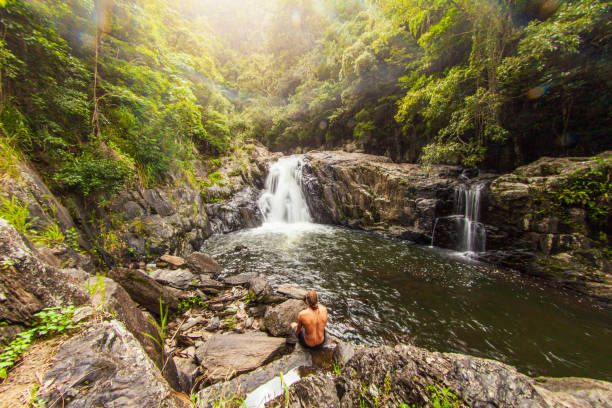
{"x": 283, "y": 200}
{"x": 463, "y": 230}
{"x": 467, "y": 203}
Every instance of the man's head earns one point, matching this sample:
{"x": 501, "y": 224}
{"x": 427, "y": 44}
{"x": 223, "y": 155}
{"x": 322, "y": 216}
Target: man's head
{"x": 312, "y": 299}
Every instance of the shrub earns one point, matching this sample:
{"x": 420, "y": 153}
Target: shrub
{"x": 90, "y": 174}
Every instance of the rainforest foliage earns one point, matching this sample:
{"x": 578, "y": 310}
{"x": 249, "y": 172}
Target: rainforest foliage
{"x": 98, "y": 93}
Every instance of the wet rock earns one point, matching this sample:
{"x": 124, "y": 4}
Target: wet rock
{"x": 469, "y": 173}
{"x": 226, "y": 355}
{"x": 370, "y": 192}
{"x": 278, "y": 319}
{"x": 518, "y": 205}
{"x": 240, "y": 211}
{"x": 202, "y": 263}
{"x": 175, "y": 261}
{"x": 105, "y": 366}
{"x": 177, "y": 278}
{"x": 449, "y": 232}
{"x": 294, "y": 292}
{"x": 144, "y": 290}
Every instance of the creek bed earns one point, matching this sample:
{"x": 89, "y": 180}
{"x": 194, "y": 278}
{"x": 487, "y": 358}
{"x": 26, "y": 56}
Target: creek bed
{"x": 384, "y": 291}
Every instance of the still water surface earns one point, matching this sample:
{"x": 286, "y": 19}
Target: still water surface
{"x": 383, "y": 291}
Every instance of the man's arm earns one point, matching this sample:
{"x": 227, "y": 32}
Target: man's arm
{"x": 299, "y": 326}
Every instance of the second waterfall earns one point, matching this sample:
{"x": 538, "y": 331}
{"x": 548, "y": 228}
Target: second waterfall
{"x": 283, "y": 200}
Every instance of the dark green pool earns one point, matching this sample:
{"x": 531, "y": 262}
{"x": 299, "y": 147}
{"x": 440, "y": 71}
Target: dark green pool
{"x": 384, "y": 291}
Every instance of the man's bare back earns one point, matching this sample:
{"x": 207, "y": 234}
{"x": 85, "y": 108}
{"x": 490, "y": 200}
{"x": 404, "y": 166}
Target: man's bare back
{"x": 311, "y": 322}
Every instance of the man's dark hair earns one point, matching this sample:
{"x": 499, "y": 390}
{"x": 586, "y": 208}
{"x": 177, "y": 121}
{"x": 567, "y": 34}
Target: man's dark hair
{"x": 312, "y": 299}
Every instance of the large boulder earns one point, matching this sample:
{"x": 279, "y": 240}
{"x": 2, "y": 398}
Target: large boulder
{"x": 313, "y": 392}
{"x": 201, "y": 263}
{"x": 27, "y": 285}
{"x": 111, "y": 297}
{"x": 145, "y": 290}
{"x": 246, "y": 383}
{"x": 278, "y": 319}
{"x": 226, "y": 355}
{"x": 404, "y": 374}
{"x": 105, "y": 366}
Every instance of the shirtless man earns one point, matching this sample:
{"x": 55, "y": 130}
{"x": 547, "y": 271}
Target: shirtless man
{"x": 310, "y": 327}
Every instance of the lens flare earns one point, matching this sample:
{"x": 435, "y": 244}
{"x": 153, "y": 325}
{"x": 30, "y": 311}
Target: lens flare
{"x": 538, "y": 91}
{"x": 296, "y": 18}
{"x": 323, "y": 125}
{"x": 87, "y": 40}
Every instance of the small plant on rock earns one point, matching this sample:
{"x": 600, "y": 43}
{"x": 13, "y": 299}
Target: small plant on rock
{"x": 161, "y": 328}
{"x": 17, "y": 214}
{"x": 51, "y": 235}
{"x": 50, "y": 321}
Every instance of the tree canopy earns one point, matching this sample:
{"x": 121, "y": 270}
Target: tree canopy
{"x": 99, "y": 92}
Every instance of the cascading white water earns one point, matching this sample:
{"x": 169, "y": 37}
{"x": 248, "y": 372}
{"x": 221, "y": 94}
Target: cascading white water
{"x": 283, "y": 200}
{"x": 467, "y": 203}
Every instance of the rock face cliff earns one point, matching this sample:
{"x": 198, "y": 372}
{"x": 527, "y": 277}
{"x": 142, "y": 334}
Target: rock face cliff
{"x": 526, "y": 229}
{"x": 552, "y": 219}
{"x": 370, "y": 192}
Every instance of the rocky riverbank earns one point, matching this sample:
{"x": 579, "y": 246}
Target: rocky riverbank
{"x": 223, "y": 340}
